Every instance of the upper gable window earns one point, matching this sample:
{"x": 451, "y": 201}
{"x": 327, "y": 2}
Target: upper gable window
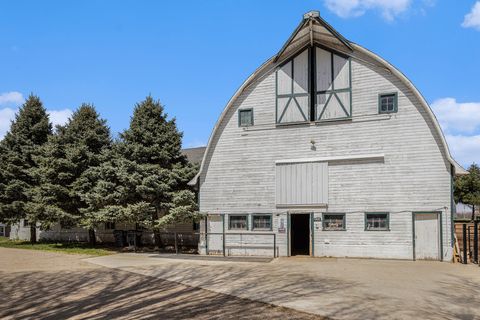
{"x": 245, "y": 117}
{"x": 315, "y": 85}
{"x": 388, "y": 103}
{"x": 333, "y": 94}
{"x": 293, "y": 97}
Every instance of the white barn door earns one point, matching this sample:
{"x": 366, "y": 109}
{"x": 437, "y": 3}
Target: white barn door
{"x": 427, "y": 236}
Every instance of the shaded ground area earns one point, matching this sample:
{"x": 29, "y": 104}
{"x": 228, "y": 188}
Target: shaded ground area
{"x": 336, "y": 288}
{"x": 44, "y": 285}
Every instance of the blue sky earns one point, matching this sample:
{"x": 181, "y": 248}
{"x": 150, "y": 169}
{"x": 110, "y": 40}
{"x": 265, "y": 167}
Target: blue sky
{"x": 193, "y": 55}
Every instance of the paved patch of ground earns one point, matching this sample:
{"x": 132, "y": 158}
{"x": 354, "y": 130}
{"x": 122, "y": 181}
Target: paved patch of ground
{"x": 336, "y": 288}
{"x": 45, "y": 285}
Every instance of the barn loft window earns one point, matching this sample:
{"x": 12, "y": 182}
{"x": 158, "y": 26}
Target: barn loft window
{"x": 262, "y": 222}
{"x": 378, "y": 221}
{"x": 315, "y": 85}
{"x": 238, "y": 222}
{"x": 245, "y": 117}
{"x": 388, "y": 103}
{"x": 334, "y": 221}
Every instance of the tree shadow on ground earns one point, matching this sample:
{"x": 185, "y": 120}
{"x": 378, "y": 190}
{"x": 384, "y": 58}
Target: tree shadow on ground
{"x": 105, "y": 294}
{"x": 331, "y": 297}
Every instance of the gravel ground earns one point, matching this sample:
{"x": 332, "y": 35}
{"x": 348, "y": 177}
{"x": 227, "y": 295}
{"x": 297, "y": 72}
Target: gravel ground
{"x": 45, "y": 285}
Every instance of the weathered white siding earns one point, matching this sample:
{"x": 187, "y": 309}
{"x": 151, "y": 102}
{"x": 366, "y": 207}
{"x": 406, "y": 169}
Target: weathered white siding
{"x": 414, "y": 175}
{"x": 301, "y": 184}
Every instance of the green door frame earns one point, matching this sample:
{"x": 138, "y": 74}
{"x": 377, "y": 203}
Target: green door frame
{"x": 311, "y": 236}
{"x": 439, "y": 219}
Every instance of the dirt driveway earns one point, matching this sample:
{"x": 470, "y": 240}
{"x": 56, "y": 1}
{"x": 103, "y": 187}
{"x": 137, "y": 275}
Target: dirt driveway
{"x": 44, "y": 285}
{"x": 335, "y": 288}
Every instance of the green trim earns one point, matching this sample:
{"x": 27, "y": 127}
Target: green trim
{"x": 292, "y": 95}
{"x": 288, "y": 235}
{"x": 439, "y": 214}
{"x": 334, "y": 91}
{"x": 395, "y": 102}
{"x": 238, "y": 215}
{"x": 350, "y": 80}
{"x": 380, "y": 212}
{"x": 334, "y": 213}
{"x": 239, "y": 118}
{"x": 262, "y": 214}
{"x": 312, "y": 233}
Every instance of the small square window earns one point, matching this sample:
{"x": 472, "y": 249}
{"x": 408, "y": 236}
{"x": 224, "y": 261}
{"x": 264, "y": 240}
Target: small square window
{"x": 238, "y": 222}
{"x": 245, "y": 117}
{"x": 262, "y": 222}
{"x": 26, "y": 223}
{"x": 334, "y": 221}
{"x": 377, "y": 222}
{"x": 387, "y": 103}
{"x": 109, "y": 225}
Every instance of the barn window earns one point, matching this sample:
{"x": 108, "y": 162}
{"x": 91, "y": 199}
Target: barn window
{"x": 387, "y": 103}
{"x": 334, "y": 221}
{"x": 293, "y": 94}
{"x": 333, "y": 88}
{"x": 245, "y": 117}
{"x": 238, "y": 222}
{"x": 378, "y": 221}
{"x": 262, "y": 222}
{"x": 314, "y": 85}
{"x": 26, "y": 223}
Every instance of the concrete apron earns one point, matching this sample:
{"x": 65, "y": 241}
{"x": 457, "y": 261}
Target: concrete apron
{"x": 337, "y": 288}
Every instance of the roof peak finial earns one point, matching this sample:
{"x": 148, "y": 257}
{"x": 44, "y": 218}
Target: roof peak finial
{"x": 311, "y": 14}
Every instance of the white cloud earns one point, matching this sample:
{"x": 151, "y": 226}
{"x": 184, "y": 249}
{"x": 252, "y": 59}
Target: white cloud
{"x": 12, "y": 98}
{"x": 465, "y": 149}
{"x": 461, "y": 125}
{"x": 6, "y": 116}
{"x": 354, "y": 8}
{"x": 57, "y": 117}
{"x": 455, "y": 117}
{"x": 472, "y": 19}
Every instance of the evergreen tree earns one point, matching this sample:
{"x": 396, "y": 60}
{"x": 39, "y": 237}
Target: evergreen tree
{"x": 28, "y": 132}
{"x": 144, "y": 178}
{"x": 467, "y": 188}
{"x": 69, "y": 153}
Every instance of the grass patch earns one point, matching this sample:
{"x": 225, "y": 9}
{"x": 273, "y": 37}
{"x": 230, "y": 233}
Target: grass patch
{"x": 63, "y": 247}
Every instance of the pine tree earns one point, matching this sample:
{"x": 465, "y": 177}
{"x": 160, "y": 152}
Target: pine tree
{"x": 28, "y": 132}
{"x": 467, "y": 188}
{"x": 144, "y": 180}
{"x": 69, "y": 153}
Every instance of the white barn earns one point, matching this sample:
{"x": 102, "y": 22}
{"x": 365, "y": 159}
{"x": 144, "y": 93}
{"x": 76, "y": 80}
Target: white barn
{"x": 327, "y": 150}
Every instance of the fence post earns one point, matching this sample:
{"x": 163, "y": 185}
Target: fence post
{"x": 176, "y": 245}
{"x": 464, "y": 233}
{"x": 223, "y": 235}
{"x": 274, "y": 245}
{"x": 475, "y": 241}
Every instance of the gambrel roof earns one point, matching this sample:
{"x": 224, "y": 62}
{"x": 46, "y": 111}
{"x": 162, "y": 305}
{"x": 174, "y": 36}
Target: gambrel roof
{"x": 314, "y": 30}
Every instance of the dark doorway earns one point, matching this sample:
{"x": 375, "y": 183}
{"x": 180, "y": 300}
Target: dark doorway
{"x": 300, "y": 234}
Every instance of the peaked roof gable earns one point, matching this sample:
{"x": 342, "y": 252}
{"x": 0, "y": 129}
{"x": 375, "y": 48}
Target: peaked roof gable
{"x": 312, "y": 29}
